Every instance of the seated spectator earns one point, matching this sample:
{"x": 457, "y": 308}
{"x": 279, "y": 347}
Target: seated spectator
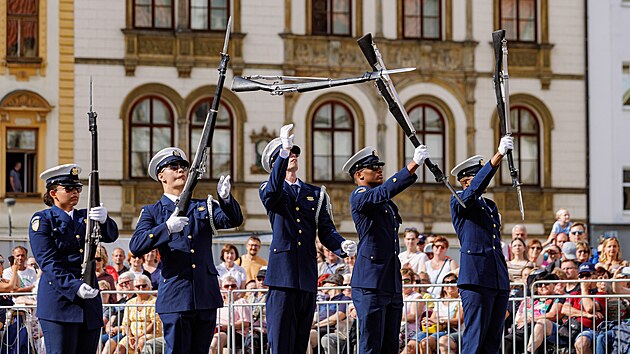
{"x": 534, "y": 250}
{"x": 347, "y": 267}
{"x": 345, "y": 336}
{"x": 329, "y": 314}
{"x": 582, "y": 251}
{"x": 330, "y": 264}
{"x": 551, "y": 255}
{"x": 257, "y": 337}
{"x": 101, "y": 251}
{"x": 447, "y": 318}
{"x": 101, "y": 260}
{"x": 26, "y": 276}
{"x": 118, "y": 260}
{"x": 103, "y": 285}
{"x": 136, "y": 265}
{"x": 229, "y": 254}
{"x": 424, "y": 280}
{"x": 440, "y": 265}
{"x": 140, "y": 322}
{"x": 412, "y": 257}
{"x": 412, "y": 310}
{"x": 241, "y": 316}
{"x": 251, "y": 261}
{"x": 112, "y": 315}
{"x": 570, "y": 268}
{"x": 544, "y": 312}
{"x": 518, "y": 252}
{"x": 153, "y": 265}
{"x": 611, "y": 255}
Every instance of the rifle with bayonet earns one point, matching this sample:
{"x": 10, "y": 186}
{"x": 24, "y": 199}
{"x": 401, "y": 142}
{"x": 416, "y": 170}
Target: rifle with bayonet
{"x": 502, "y": 92}
{"x": 242, "y": 84}
{"x": 92, "y": 227}
{"x": 198, "y": 166}
{"x": 390, "y": 95}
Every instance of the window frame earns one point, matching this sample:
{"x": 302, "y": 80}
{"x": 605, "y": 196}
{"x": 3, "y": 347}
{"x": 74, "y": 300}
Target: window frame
{"x": 518, "y": 27}
{"x": 329, "y": 19}
{"x": 331, "y": 130}
{"x": 517, "y": 134}
{"x": 191, "y": 126}
{"x": 152, "y": 27}
{"x": 209, "y": 8}
{"x": 20, "y": 58}
{"x": 421, "y": 19}
{"x": 150, "y": 125}
{"x": 421, "y": 133}
{"x": 625, "y": 185}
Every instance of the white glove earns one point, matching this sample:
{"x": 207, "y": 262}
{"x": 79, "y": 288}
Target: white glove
{"x": 224, "y": 187}
{"x": 349, "y": 247}
{"x": 176, "y": 223}
{"x": 98, "y": 213}
{"x": 420, "y": 154}
{"x": 87, "y": 292}
{"x": 506, "y": 143}
{"x": 287, "y": 140}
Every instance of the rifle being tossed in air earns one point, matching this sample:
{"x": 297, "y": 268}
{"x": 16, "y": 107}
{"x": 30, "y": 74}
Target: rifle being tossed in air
{"x": 198, "y": 166}
{"x": 502, "y": 92}
{"x": 390, "y": 95}
{"x": 92, "y": 227}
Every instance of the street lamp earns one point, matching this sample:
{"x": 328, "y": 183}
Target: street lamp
{"x": 10, "y": 202}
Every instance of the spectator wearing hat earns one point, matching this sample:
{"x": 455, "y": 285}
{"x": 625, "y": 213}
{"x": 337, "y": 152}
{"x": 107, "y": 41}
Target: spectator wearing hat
{"x": 483, "y": 277}
{"x": 188, "y": 295}
{"x": 413, "y": 257}
{"x": 376, "y": 282}
{"x": 568, "y": 251}
{"x": 428, "y": 250}
{"x": 69, "y": 310}
{"x": 298, "y": 213}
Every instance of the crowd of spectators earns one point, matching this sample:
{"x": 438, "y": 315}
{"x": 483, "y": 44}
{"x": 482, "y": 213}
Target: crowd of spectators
{"x": 567, "y": 276}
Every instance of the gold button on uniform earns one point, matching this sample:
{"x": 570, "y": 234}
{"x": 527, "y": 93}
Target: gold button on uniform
{"x": 494, "y": 248}
{"x": 299, "y": 243}
{"x": 190, "y": 237}
{"x": 81, "y": 250}
{"x": 78, "y": 237}
{"x": 194, "y": 266}
{"x": 150, "y": 235}
{"x": 298, "y": 220}
{"x": 192, "y": 250}
{"x": 494, "y": 225}
{"x": 299, "y": 231}
{"x": 297, "y": 208}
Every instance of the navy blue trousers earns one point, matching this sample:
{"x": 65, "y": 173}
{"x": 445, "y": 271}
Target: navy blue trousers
{"x": 188, "y": 332}
{"x": 484, "y": 317}
{"x": 69, "y": 338}
{"x": 379, "y": 314}
{"x": 289, "y": 319}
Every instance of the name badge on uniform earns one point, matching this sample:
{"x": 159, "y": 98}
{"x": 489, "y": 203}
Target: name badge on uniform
{"x": 201, "y": 208}
{"x": 310, "y": 199}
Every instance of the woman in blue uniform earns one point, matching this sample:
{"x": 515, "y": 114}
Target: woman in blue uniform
{"x": 70, "y": 312}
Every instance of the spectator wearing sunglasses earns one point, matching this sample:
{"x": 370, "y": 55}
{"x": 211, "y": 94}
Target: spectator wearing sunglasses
{"x": 483, "y": 277}
{"x": 534, "y": 252}
{"x": 101, "y": 274}
{"x": 189, "y": 294}
{"x": 237, "y": 313}
{"x": 70, "y": 311}
{"x": 579, "y": 233}
{"x": 140, "y": 322}
{"x": 377, "y": 282}
{"x": 112, "y": 315}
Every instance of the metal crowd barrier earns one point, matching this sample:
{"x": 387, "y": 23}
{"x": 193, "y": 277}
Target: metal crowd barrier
{"x": 241, "y": 324}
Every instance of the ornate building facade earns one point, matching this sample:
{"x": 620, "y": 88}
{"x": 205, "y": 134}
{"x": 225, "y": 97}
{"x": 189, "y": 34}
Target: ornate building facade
{"x": 154, "y": 62}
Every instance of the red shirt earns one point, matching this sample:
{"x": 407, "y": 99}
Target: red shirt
{"x": 576, "y": 303}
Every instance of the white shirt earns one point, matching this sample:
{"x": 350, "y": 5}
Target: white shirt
{"x": 27, "y": 276}
{"x": 237, "y": 272}
{"x": 414, "y": 259}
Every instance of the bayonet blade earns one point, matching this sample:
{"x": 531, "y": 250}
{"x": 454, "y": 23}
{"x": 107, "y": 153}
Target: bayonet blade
{"x": 228, "y": 28}
{"x": 90, "y": 93}
{"x": 520, "y": 202}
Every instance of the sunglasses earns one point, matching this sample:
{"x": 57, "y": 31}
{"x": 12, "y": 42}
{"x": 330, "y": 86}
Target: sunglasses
{"x": 229, "y": 286}
{"x": 552, "y": 253}
{"x": 535, "y": 248}
{"x": 176, "y": 167}
{"x": 98, "y": 259}
{"x": 71, "y": 189}
{"x": 141, "y": 286}
{"x": 124, "y": 283}
{"x": 584, "y": 275}
{"x": 253, "y": 246}
{"x": 260, "y": 278}
{"x": 578, "y": 232}
{"x": 540, "y": 285}
{"x": 374, "y": 167}
{"x": 582, "y": 251}
{"x": 407, "y": 281}
{"x": 439, "y": 246}
{"x": 452, "y": 281}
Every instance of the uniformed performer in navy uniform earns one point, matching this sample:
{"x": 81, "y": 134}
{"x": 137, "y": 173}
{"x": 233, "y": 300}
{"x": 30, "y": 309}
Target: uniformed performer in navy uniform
{"x": 189, "y": 293}
{"x": 376, "y": 280}
{"x": 483, "y": 276}
{"x": 69, "y": 310}
{"x": 292, "y": 207}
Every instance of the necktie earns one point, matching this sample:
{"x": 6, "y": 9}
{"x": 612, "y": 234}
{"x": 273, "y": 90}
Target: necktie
{"x": 296, "y": 190}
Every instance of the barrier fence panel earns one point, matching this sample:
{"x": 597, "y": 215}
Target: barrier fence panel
{"x": 539, "y": 320}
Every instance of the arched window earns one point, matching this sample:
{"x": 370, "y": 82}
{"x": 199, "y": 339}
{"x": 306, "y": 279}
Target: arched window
{"x": 332, "y": 17}
{"x": 430, "y": 130}
{"x": 209, "y": 15}
{"x": 422, "y": 19}
{"x": 333, "y": 141}
{"x": 151, "y": 129}
{"x": 526, "y": 133}
{"x": 220, "y": 157}
{"x": 519, "y": 19}
{"x": 153, "y": 14}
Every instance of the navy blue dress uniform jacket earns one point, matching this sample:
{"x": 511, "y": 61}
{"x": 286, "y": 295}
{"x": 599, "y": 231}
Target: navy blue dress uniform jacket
{"x": 292, "y": 255}
{"x": 57, "y": 243}
{"x": 478, "y": 228}
{"x": 377, "y": 220}
{"x": 189, "y": 278}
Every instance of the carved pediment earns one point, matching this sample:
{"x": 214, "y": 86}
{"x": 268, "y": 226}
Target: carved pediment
{"x": 23, "y": 99}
